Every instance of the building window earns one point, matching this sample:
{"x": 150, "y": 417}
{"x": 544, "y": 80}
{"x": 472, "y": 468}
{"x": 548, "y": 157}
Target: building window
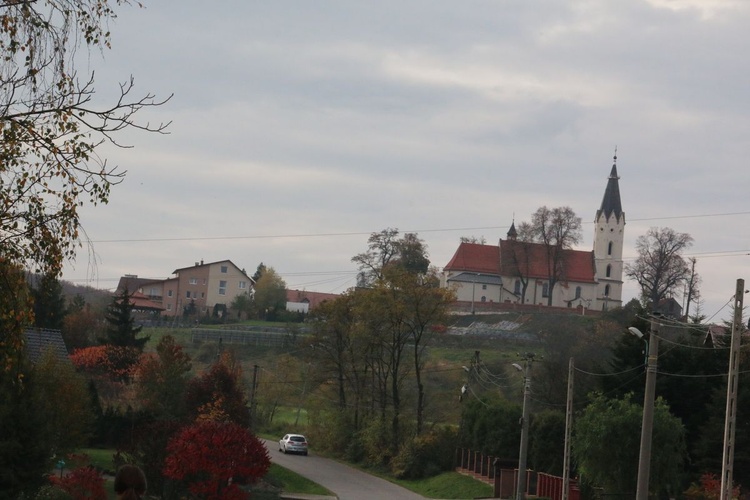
{"x": 224, "y": 269}
{"x": 169, "y": 307}
{"x": 169, "y": 293}
{"x": 484, "y": 299}
{"x": 606, "y": 291}
{"x": 203, "y": 295}
{"x": 609, "y": 270}
{"x": 517, "y": 287}
{"x": 222, "y": 287}
{"x": 243, "y": 285}
{"x": 484, "y": 287}
{"x": 193, "y": 281}
{"x": 578, "y": 292}
{"x": 609, "y": 248}
{"x": 187, "y": 294}
{"x": 545, "y": 289}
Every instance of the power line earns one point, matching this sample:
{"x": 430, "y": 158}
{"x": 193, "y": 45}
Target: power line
{"x": 361, "y": 233}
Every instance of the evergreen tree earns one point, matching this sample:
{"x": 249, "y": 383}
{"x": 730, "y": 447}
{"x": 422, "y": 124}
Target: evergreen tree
{"x": 121, "y": 331}
{"x": 49, "y": 302}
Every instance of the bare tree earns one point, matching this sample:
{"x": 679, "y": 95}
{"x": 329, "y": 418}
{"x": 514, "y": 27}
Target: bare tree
{"x": 692, "y": 287}
{"x": 386, "y": 249}
{"x": 481, "y": 240}
{"x": 660, "y": 268}
{"x": 558, "y": 229}
{"x": 52, "y": 127}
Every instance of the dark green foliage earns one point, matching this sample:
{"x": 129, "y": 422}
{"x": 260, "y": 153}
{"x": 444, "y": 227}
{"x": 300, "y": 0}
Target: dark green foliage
{"x": 147, "y": 448}
{"x": 606, "y": 446}
{"x": 25, "y": 448}
{"x": 121, "y": 329}
{"x": 547, "y": 442}
{"x": 49, "y": 303}
{"x": 492, "y": 427}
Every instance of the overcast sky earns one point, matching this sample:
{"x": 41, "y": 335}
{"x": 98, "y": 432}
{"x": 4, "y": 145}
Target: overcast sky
{"x": 299, "y": 128}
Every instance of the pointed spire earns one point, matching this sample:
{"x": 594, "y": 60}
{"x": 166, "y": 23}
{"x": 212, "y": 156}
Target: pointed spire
{"x": 611, "y": 202}
{"x": 512, "y": 233}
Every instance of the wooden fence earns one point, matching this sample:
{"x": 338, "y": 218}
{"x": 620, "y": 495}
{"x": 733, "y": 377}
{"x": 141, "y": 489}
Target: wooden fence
{"x": 490, "y": 470}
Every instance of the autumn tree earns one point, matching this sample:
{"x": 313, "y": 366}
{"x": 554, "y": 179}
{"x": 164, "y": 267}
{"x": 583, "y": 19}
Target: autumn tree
{"x": 214, "y": 458}
{"x": 162, "y": 379}
{"x": 660, "y": 269}
{"x": 270, "y": 294}
{"x": 242, "y": 304}
{"x": 558, "y": 229}
{"x": 218, "y": 394}
{"x": 53, "y": 125}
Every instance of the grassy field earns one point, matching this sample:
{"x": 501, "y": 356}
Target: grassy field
{"x": 448, "y": 485}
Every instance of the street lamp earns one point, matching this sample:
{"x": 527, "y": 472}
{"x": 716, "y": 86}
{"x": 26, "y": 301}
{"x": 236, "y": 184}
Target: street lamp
{"x": 644, "y": 459}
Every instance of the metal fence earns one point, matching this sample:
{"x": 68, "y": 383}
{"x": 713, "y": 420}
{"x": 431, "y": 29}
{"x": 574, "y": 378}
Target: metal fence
{"x": 265, "y": 338}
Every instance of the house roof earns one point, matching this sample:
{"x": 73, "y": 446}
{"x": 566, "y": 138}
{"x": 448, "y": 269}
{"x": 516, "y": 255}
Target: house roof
{"x": 505, "y": 260}
{"x": 133, "y": 282}
{"x": 38, "y": 340}
{"x": 475, "y": 257}
{"x": 142, "y": 303}
{"x": 314, "y": 299}
{"x": 484, "y": 279}
{"x": 201, "y": 264}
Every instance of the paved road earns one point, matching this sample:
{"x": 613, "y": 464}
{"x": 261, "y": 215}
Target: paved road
{"x": 346, "y": 482}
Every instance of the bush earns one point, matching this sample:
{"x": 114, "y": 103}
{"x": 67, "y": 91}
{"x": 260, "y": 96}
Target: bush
{"x": 81, "y": 484}
{"x": 426, "y": 455}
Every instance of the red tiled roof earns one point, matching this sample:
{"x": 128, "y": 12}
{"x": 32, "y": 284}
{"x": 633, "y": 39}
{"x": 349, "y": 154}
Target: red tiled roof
{"x": 475, "y": 258}
{"x": 314, "y": 299}
{"x": 142, "y": 303}
{"x": 579, "y": 265}
{"x": 506, "y": 259}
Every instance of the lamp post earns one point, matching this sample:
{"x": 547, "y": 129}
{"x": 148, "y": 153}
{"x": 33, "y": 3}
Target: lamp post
{"x": 644, "y": 459}
{"x": 521, "y": 486}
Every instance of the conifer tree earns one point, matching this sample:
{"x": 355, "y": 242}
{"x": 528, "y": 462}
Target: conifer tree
{"x": 121, "y": 329}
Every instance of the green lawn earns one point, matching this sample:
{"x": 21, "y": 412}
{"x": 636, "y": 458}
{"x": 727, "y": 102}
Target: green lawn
{"x": 448, "y": 485}
{"x": 291, "y": 482}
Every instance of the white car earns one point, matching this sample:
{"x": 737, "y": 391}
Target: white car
{"x": 293, "y": 443}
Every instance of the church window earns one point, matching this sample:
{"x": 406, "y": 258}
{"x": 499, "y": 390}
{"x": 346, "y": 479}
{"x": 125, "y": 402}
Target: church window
{"x": 609, "y": 270}
{"x": 578, "y": 292}
{"x": 545, "y": 290}
{"x": 484, "y": 287}
{"x": 606, "y": 291}
{"x": 517, "y": 288}
{"x": 484, "y": 299}
{"x": 609, "y": 248}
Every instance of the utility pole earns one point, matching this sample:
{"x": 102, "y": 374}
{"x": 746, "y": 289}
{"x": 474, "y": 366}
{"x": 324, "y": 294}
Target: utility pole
{"x": 521, "y": 486}
{"x": 732, "y": 381}
{"x": 644, "y": 460}
{"x": 252, "y": 396}
{"x": 568, "y": 428}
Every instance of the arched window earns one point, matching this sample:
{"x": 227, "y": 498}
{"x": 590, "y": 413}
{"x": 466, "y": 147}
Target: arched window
{"x": 484, "y": 299}
{"x": 609, "y": 270}
{"x": 606, "y": 291}
{"x": 517, "y": 287}
{"x": 578, "y": 292}
{"x": 545, "y": 290}
{"x": 609, "y": 248}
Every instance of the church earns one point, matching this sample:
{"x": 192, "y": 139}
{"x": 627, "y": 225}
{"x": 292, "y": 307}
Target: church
{"x": 482, "y": 274}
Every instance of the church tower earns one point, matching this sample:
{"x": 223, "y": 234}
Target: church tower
{"x": 609, "y": 236}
